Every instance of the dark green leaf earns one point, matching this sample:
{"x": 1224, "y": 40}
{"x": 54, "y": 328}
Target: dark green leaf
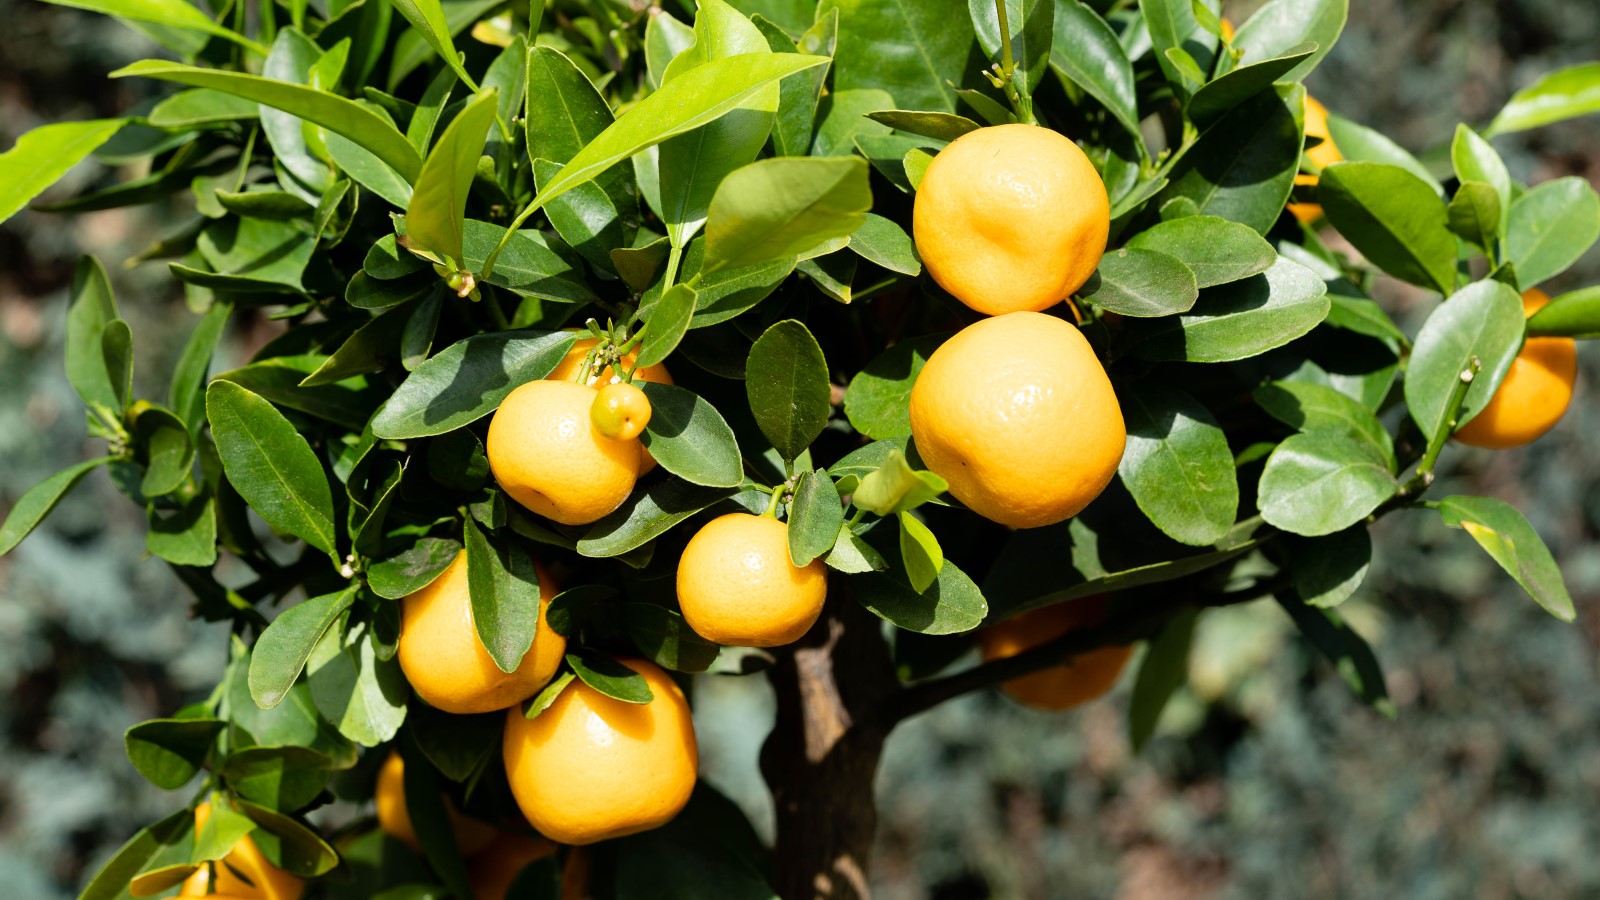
{"x": 1177, "y": 465}
{"x": 270, "y": 464}
{"x": 282, "y": 650}
{"x": 371, "y": 348}
{"x": 786, "y": 379}
{"x": 664, "y": 327}
{"x": 665, "y": 638}
{"x": 1142, "y": 283}
{"x": 952, "y": 604}
{"x": 610, "y": 677}
{"x": 412, "y": 569}
{"x": 1350, "y": 654}
{"x": 1215, "y": 250}
{"x": 456, "y": 745}
{"x": 1483, "y": 321}
{"x": 280, "y": 778}
{"x": 186, "y": 536}
{"x": 1243, "y": 167}
{"x": 1327, "y": 570}
{"x": 1087, "y": 53}
{"x": 111, "y": 882}
{"x": 504, "y": 588}
{"x": 116, "y": 346}
{"x": 912, "y": 50}
{"x": 646, "y": 515}
{"x": 528, "y": 266}
{"x": 1212, "y": 102}
{"x": 941, "y": 126}
{"x": 467, "y": 380}
{"x": 1032, "y": 30}
{"x": 690, "y": 439}
{"x": 1506, "y": 536}
{"x": 348, "y": 403}
{"x": 1394, "y": 219}
{"x": 1240, "y": 320}
{"x": 878, "y": 399}
{"x": 1174, "y": 31}
{"x": 287, "y": 843}
{"x": 1164, "y": 669}
{"x": 169, "y": 752}
{"x": 36, "y": 503}
{"x": 167, "y": 449}
{"x": 1316, "y": 484}
{"x": 815, "y": 517}
{"x": 187, "y": 393}
{"x": 93, "y": 306}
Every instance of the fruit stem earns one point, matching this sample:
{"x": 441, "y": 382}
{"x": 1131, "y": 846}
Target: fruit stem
{"x": 772, "y": 504}
{"x": 1021, "y": 103}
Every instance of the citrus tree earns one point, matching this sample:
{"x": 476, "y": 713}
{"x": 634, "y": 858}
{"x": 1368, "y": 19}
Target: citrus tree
{"x": 822, "y": 342}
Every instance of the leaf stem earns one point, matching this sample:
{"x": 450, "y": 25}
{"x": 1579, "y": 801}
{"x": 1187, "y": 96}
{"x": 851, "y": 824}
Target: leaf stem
{"x": 1423, "y": 478}
{"x": 772, "y": 505}
{"x": 1021, "y": 102}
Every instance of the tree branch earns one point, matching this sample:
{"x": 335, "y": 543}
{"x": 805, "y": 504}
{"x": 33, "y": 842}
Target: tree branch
{"x": 1133, "y": 625}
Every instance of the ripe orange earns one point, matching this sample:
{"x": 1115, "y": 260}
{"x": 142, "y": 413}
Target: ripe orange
{"x": 265, "y": 880}
{"x": 1010, "y": 218}
{"x": 590, "y": 768}
{"x": 394, "y": 819}
{"x": 1324, "y": 154}
{"x": 736, "y": 585}
{"x": 445, "y": 661}
{"x": 493, "y": 869}
{"x": 1016, "y": 413}
{"x": 620, "y": 411}
{"x": 545, "y": 452}
{"x": 1084, "y": 678}
{"x": 567, "y": 369}
{"x": 1535, "y": 394}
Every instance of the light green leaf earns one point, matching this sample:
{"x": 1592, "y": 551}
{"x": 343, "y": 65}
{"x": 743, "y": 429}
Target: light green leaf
{"x": 282, "y": 650}
{"x": 164, "y": 14}
{"x": 690, "y": 439}
{"x": 1550, "y": 227}
{"x": 435, "y": 216}
{"x": 31, "y": 508}
{"x": 1506, "y": 536}
{"x": 920, "y": 551}
{"x": 1177, "y": 465}
{"x": 782, "y": 207}
{"x": 1316, "y": 484}
{"x": 1560, "y": 95}
{"x": 1482, "y": 321}
{"x": 270, "y": 464}
{"x": 41, "y": 156}
{"x": 1395, "y": 220}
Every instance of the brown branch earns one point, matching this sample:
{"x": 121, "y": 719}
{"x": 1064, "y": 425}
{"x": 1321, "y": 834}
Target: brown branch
{"x": 1132, "y": 625}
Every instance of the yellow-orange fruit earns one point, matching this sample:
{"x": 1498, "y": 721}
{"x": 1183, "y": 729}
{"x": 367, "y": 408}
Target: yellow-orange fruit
{"x": 1324, "y": 154}
{"x": 621, "y": 411}
{"x": 493, "y": 869}
{"x": 1085, "y": 678}
{"x": 736, "y": 585}
{"x": 590, "y": 768}
{"x": 1010, "y": 218}
{"x": 265, "y": 880}
{"x": 1535, "y": 393}
{"x": 1017, "y": 414}
{"x": 394, "y": 819}
{"x": 545, "y": 452}
{"x": 446, "y": 663}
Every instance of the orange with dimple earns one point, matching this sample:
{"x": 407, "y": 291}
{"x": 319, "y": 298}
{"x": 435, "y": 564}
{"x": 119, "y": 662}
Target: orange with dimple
{"x": 1535, "y": 393}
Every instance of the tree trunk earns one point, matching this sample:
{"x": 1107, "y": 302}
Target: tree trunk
{"x": 822, "y": 756}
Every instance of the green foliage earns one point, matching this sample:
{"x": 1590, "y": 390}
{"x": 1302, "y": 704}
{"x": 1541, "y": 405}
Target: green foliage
{"x": 431, "y": 251}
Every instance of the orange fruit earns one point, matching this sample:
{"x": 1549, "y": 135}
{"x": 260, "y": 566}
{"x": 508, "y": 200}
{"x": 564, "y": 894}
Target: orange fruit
{"x": 1084, "y": 678}
{"x": 394, "y": 819}
{"x": 1012, "y": 217}
{"x": 1227, "y": 30}
{"x": 493, "y": 869}
{"x": 736, "y": 585}
{"x": 1535, "y": 394}
{"x": 1324, "y": 155}
{"x": 265, "y": 880}
{"x": 620, "y": 411}
{"x": 567, "y": 369}
{"x": 446, "y": 663}
{"x": 590, "y": 768}
{"x": 545, "y": 452}
{"x": 1016, "y": 413}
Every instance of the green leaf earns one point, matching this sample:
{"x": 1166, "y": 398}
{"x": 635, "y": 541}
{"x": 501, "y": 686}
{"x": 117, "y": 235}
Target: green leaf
{"x": 413, "y": 568}
{"x": 694, "y": 98}
{"x": 116, "y": 346}
{"x": 93, "y": 306}
{"x": 1550, "y": 227}
{"x": 370, "y": 348}
{"x": 1327, "y": 570}
{"x": 187, "y": 536}
{"x": 786, "y": 379}
{"x": 265, "y": 204}
{"x": 1281, "y": 25}
{"x": 920, "y": 551}
{"x": 164, "y": 14}
{"x": 1087, "y": 53}
{"x": 664, "y": 38}
{"x": 346, "y": 117}
{"x": 355, "y": 689}
{"x": 467, "y": 380}
{"x": 1350, "y": 654}
{"x": 270, "y": 464}
{"x": 528, "y": 265}
{"x": 1142, "y": 283}
{"x": 1212, "y": 102}
{"x": 349, "y": 403}
{"x": 1316, "y": 484}
{"x": 434, "y": 219}
{"x": 815, "y": 517}
{"x": 1177, "y": 465}
{"x": 428, "y": 18}
{"x": 1394, "y": 219}
{"x": 916, "y": 166}
{"x": 1560, "y": 95}
{"x": 1474, "y": 215}
{"x": 1358, "y": 143}
{"x": 647, "y": 514}
{"x": 666, "y": 639}
{"x": 882, "y": 242}
{"x": 941, "y": 126}
{"x": 1319, "y": 409}
{"x": 200, "y": 106}
{"x": 282, "y": 650}
{"x": 287, "y": 843}
{"x": 1575, "y": 315}
{"x": 723, "y": 295}
{"x": 610, "y": 677}
{"x": 779, "y": 208}
{"x": 853, "y": 555}
{"x": 251, "y": 256}
{"x": 1164, "y": 669}
{"x": 292, "y": 58}
{"x": 952, "y": 604}
{"x": 1173, "y": 27}
{"x": 280, "y": 778}
{"x": 458, "y": 746}
{"x": 894, "y": 487}
{"x": 1506, "y": 536}
{"x": 1032, "y": 30}
{"x": 167, "y": 450}
{"x": 169, "y": 752}
{"x": 1484, "y": 321}
{"x": 425, "y": 803}
{"x": 366, "y": 169}
{"x": 690, "y": 439}
{"x": 879, "y": 397}
{"x": 1215, "y": 250}
{"x": 504, "y": 589}
{"x": 41, "y": 156}
{"x": 1239, "y": 320}
{"x": 223, "y": 829}
{"x": 111, "y": 882}
{"x": 1243, "y": 167}
{"x": 1476, "y": 161}
{"x": 669, "y": 318}
{"x": 915, "y": 51}
{"x": 31, "y": 508}
{"x": 542, "y": 700}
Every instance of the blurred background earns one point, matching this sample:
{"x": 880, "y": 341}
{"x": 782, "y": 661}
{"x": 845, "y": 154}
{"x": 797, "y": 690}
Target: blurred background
{"x": 1267, "y": 778}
